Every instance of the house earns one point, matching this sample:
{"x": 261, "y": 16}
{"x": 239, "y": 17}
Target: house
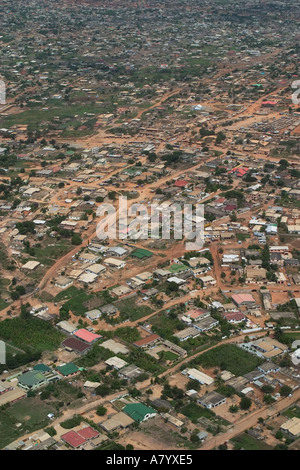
{"x": 68, "y": 369}
{"x": 63, "y": 282}
{"x": 67, "y": 327}
{"x": 116, "y": 362}
{"x": 119, "y": 420}
{"x": 206, "y": 323}
{"x": 187, "y": 333}
{"x": 146, "y": 342}
{"x": 208, "y": 281}
{"x": 244, "y": 300}
{"x": 234, "y": 317}
{"x": 116, "y": 251}
{"x": 114, "y": 263}
{"x": 292, "y": 427}
{"x": 109, "y": 310}
{"x": 34, "y": 379}
{"x": 115, "y": 347}
{"x": 212, "y": 399}
{"x": 31, "y": 265}
{"x": 93, "y": 314}
{"x": 139, "y": 412}
{"x": 268, "y": 367}
{"x": 130, "y": 372}
{"x": 195, "y": 374}
{"x": 74, "y": 344}
{"x": 12, "y": 396}
{"x": 87, "y": 336}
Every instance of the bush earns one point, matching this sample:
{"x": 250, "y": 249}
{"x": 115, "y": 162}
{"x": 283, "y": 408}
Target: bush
{"x": 101, "y": 411}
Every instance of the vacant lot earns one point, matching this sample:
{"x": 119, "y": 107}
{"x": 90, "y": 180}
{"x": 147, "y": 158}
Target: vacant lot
{"x": 27, "y": 415}
{"x": 130, "y": 310}
{"x": 229, "y": 357}
{"x": 246, "y": 442}
{"x": 292, "y": 412}
{"x": 30, "y": 334}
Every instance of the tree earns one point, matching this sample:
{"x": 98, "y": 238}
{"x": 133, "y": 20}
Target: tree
{"x": 101, "y": 411}
{"x": 233, "y": 409}
{"x": 112, "y": 195}
{"x": 285, "y": 391}
{"x": 245, "y": 403}
{"x": 268, "y": 399}
{"x": 76, "y": 239}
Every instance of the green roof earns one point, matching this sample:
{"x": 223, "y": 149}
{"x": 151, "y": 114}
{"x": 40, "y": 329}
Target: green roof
{"x": 176, "y": 268}
{"x": 68, "y": 369}
{"x": 42, "y": 368}
{"x": 31, "y": 378}
{"x": 138, "y": 411}
{"x": 141, "y": 253}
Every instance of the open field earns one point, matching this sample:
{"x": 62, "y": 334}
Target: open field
{"x": 27, "y": 415}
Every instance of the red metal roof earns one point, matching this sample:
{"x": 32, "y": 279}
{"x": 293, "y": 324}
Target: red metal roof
{"x": 86, "y": 335}
{"x": 180, "y": 183}
{"x": 88, "y": 433}
{"x": 73, "y": 438}
{"x": 147, "y": 340}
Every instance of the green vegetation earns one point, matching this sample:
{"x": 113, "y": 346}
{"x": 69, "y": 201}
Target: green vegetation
{"x": 31, "y": 413}
{"x": 30, "y": 334}
{"x": 129, "y": 310}
{"x": 293, "y": 411}
{"x": 229, "y": 357}
{"x": 72, "y": 422}
{"x": 247, "y": 442}
{"x": 194, "y": 412}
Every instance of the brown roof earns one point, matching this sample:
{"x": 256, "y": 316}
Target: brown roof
{"x": 149, "y": 339}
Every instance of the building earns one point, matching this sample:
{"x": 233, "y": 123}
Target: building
{"x": 67, "y": 327}
{"x": 205, "y": 324}
{"x": 212, "y": 399}
{"x": 93, "y": 314}
{"x": 74, "y": 344}
{"x": 109, "y": 310}
{"x": 68, "y": 369}
{"x": 130, "y": 372}
{"x": 63, "y": 282}
{"x": 244, "y": 300}
{"x": 114, "y": 263}
{"x": 119, "y": 420}
{"x": 116, "y": 348}
{"x": 36, "y": 378}
{"x": 187, "y": 333}
{"x": 291, "y": 427}
{"x": 139, "y": 412}
{"x": 146, "y": 342}
{"x": 87, "y": 336}
{"x": 116, "y": 362}
{"x": 195, "y": 374}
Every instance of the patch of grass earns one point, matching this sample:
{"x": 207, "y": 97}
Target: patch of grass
{"x": 242, "y": 236}
{"x": 48, "y": 254}
{"x": 247, "y": 442}
{"x": 194, "y": 412}
{"x": 229, "y": 357}
{"x": 31, "y": 413}
{"x": 34, "y": 117}
{"x": 131, "y": 311}
{"x": 292, "y": 412}
{"x": 30, "y": 334}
